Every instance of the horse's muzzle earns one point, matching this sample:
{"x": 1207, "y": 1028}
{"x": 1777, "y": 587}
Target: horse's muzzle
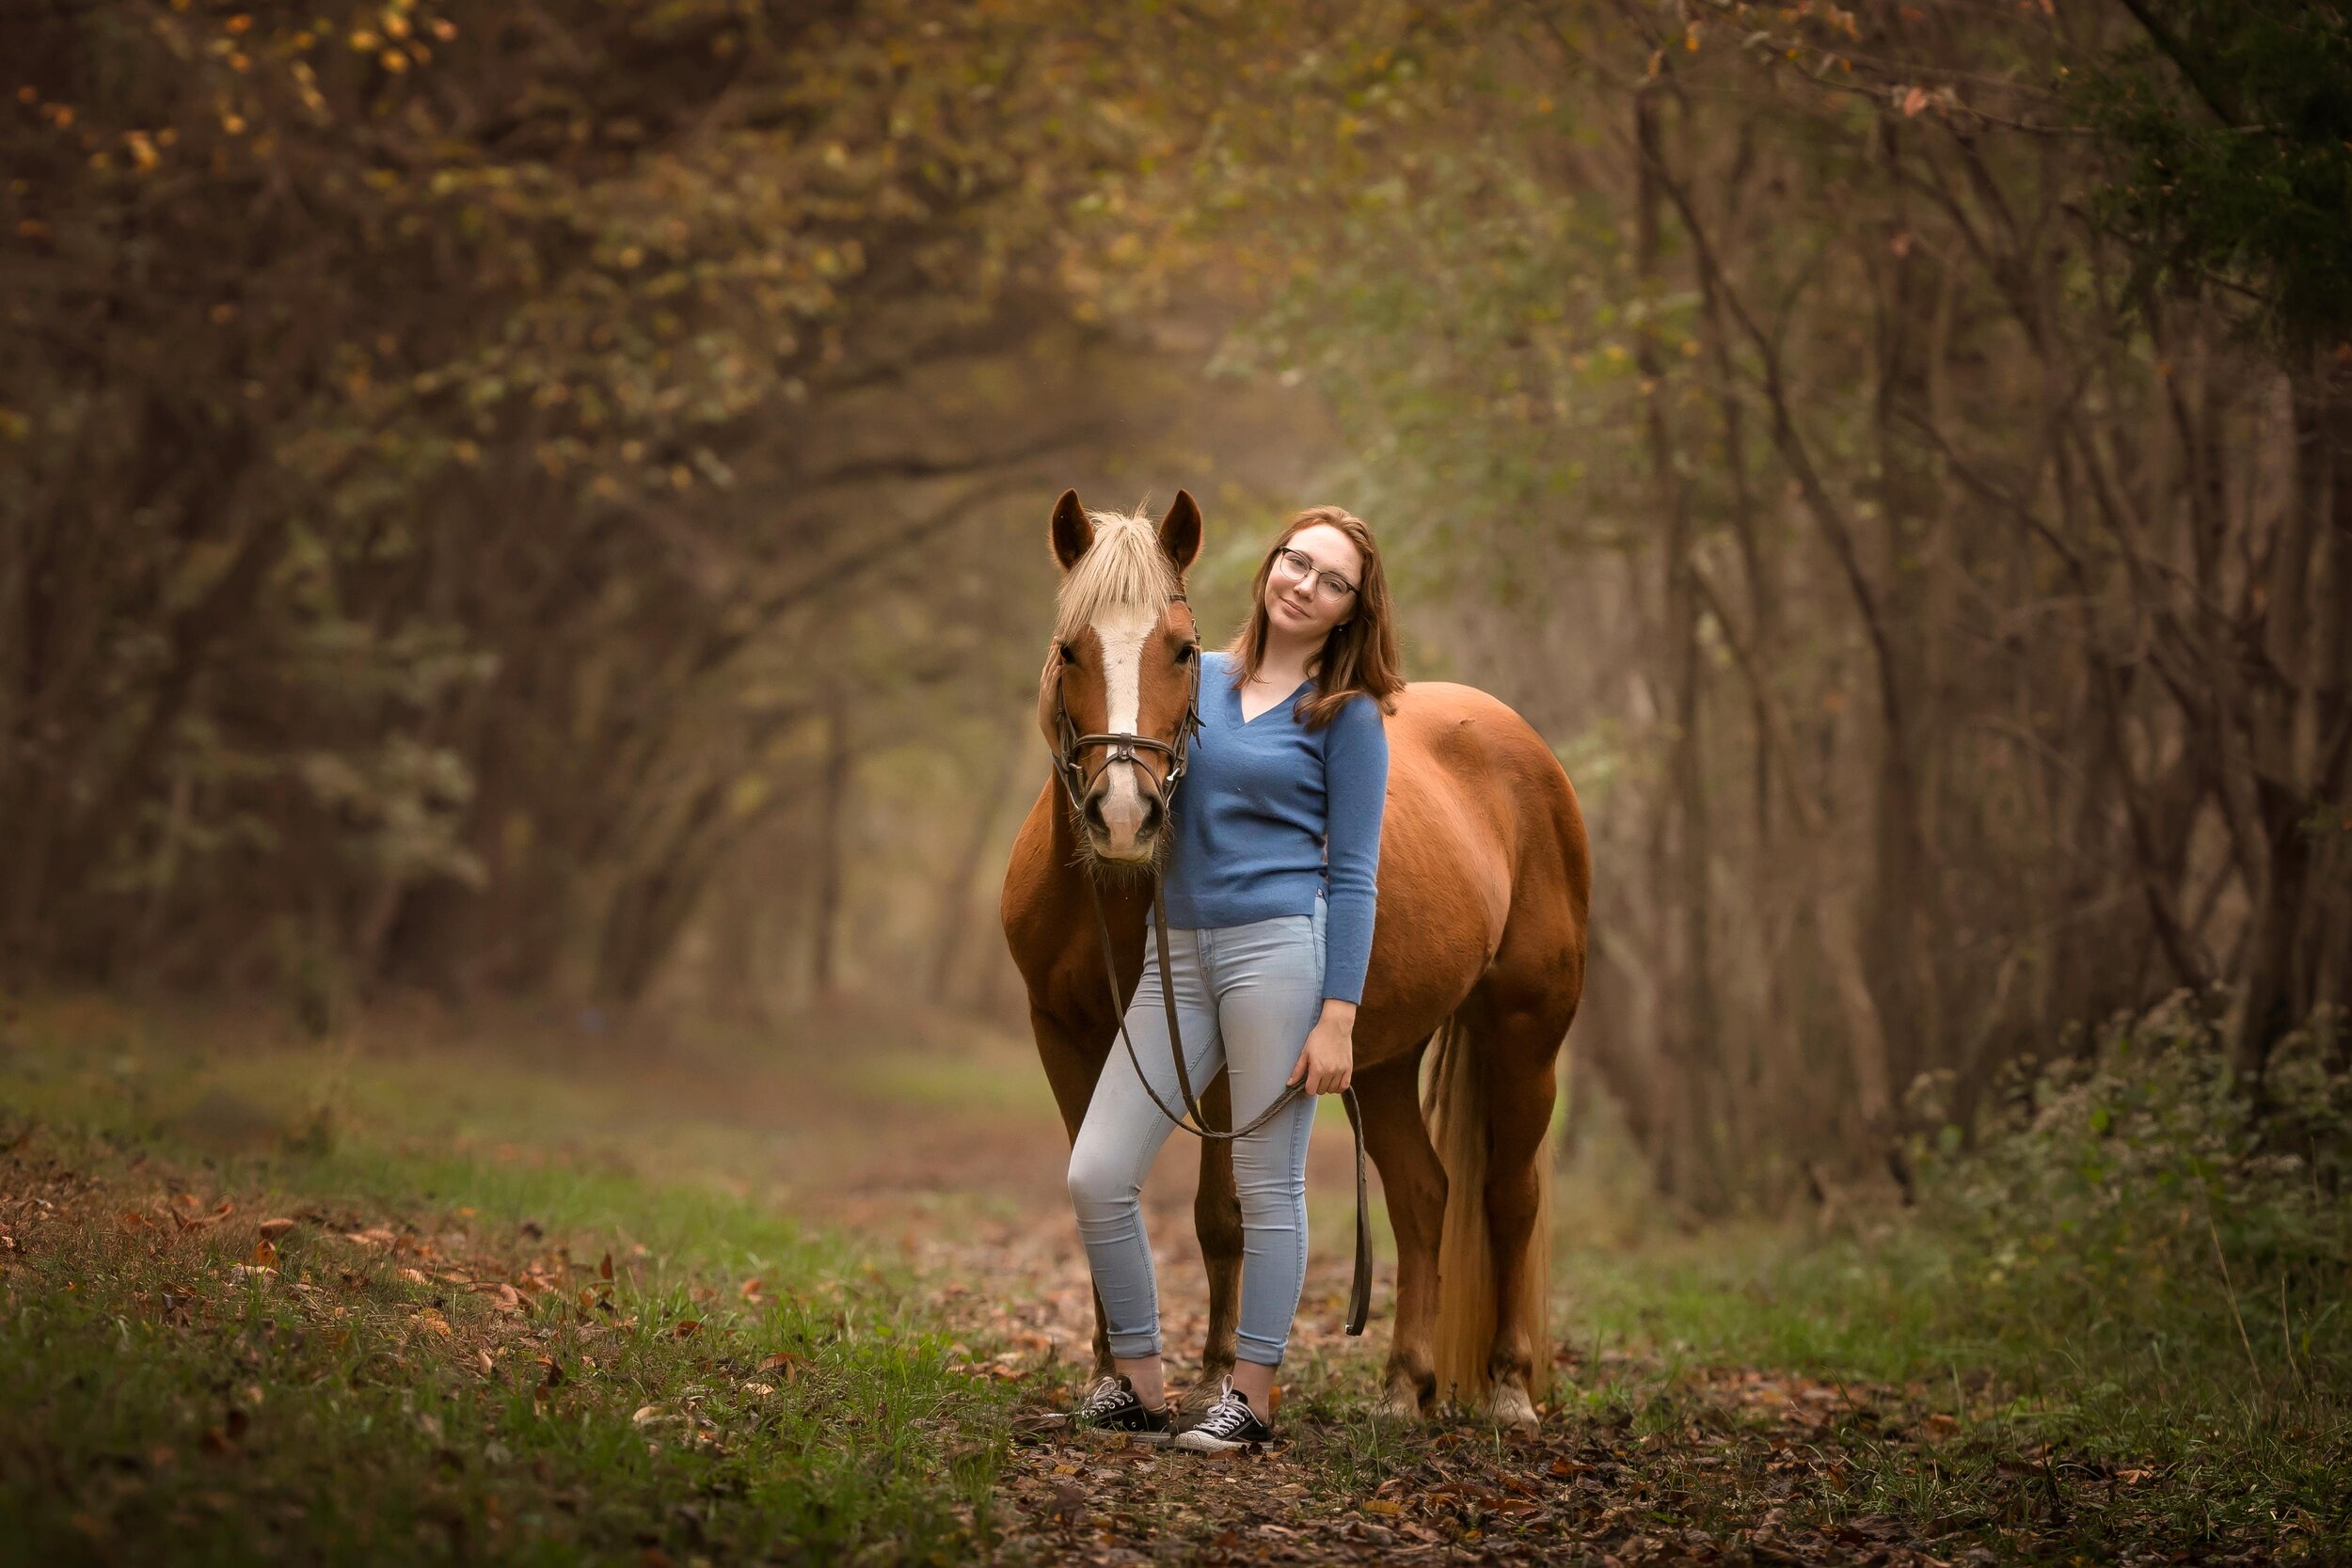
{"x": 1124, "y": 823}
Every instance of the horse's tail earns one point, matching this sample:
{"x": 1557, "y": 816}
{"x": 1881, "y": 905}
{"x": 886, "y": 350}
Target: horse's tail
{"x": 1455, "y": 1106}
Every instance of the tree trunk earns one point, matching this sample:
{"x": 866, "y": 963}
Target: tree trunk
{"x": 1679, "y": 842}
{"x": 832, "y": 847}
{"x": 960, "y": 886}
{"x": 2300, "y": 751}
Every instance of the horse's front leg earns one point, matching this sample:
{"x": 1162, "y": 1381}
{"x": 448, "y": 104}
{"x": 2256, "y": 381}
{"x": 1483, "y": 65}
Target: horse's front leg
{"x": 1216, "y": 1217}
{"x": 1070, "y": 1068}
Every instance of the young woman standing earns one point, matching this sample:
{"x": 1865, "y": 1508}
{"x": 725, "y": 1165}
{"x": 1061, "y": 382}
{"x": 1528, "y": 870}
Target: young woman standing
{"x": 1270, "y": 889}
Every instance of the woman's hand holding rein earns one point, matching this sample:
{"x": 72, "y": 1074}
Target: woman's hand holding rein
{"x": 1327, "y": 1062}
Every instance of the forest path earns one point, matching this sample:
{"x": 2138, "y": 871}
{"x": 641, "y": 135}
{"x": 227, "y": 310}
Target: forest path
{"x": 1635, "y": 1461}
{"x": 947, "y": 1153}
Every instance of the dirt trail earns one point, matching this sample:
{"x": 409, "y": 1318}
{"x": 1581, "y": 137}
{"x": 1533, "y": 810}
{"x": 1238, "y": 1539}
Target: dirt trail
{"x": 1709, "y": 1472}
{"x": 976, "y": 1198}
{"x": 956, "y": 1158}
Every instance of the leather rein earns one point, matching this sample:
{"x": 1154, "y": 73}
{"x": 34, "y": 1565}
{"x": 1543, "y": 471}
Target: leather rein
{"x": 1076, "y": 781}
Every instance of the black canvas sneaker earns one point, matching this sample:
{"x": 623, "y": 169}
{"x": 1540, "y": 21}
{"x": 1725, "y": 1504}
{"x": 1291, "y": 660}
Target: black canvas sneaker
{"x": 1229, "y": 1424}
{"x": 1111, "y": 1406}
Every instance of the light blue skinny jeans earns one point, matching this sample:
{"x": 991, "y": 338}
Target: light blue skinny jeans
{"x": 1245, "y": 998}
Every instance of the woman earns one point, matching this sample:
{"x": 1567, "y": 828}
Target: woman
{"x": 1276, "y": 821}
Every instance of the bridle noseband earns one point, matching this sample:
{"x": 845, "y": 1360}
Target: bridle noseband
{"x": 1076, "y": 783}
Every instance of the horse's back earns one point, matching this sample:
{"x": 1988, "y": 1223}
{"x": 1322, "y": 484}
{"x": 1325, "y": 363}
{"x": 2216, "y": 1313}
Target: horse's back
{"x": 1463, "y": 727}
{"x": 1481, "y": 819}
{"x": 1472, "y": 750}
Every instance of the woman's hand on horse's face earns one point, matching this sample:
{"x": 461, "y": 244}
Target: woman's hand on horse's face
{"x": 1327, "y": 1062}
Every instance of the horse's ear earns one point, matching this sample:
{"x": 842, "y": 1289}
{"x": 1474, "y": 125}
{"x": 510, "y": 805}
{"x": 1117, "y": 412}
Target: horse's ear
{"x": 1073, "y": 535}
{"x": 1179, "y": 530}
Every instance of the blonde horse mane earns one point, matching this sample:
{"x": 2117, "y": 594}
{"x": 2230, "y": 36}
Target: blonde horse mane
{"x": 1125, "y": 567}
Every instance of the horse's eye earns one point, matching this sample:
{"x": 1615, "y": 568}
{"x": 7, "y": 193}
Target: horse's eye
{"x": 1067, "y": 657}
{"x": 1183, "y": 655}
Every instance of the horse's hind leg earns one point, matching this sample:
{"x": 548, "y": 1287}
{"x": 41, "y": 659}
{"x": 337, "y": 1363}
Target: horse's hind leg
{"x": 1216, "y": 1217}
{"x": 1414, "y": 1181}
{"x": 1521, "y": 1026}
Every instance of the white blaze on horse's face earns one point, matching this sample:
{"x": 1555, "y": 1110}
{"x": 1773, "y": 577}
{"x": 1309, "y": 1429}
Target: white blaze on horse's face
{"x": 1122, "y": 586}
{"x": 1119, "y": 801}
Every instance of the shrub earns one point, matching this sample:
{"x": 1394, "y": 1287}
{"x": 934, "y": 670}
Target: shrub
{"x": 2137, "y": 1192}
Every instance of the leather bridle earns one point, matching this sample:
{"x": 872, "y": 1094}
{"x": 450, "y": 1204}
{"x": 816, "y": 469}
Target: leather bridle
{"x": 1076, "y": 783}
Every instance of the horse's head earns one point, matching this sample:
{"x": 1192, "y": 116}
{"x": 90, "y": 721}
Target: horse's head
{"x": 1120, "y": 679}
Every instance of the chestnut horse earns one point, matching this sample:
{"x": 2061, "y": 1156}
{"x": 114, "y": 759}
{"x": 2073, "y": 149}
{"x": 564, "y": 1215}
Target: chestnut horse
{"x": 1478, "y": 946}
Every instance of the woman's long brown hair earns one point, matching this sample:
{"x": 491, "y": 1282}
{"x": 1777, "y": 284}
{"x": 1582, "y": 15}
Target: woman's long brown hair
{"x": 1360, "y": 655}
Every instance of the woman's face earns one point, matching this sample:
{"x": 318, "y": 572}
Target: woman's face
{"x": 1307, "y": 606}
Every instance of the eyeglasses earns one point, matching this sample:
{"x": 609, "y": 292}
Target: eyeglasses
{"x": 1291, "y": 566}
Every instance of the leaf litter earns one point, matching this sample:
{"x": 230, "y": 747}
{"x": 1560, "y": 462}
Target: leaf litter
{"x": 1631, "y": 1464}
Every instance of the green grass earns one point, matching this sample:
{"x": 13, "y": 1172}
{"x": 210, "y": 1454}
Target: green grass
{"x": 2072, "y": 1424}
{"x": 355, "y": 1402}
{"x": 2065, "y": 1364}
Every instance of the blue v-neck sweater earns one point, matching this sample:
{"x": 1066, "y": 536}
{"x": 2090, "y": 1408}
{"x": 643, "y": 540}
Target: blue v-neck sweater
{"x": 1253, "y": 813}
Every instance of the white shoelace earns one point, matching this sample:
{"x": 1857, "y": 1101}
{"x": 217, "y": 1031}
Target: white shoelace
{"x": 1105, "y": 1396}
{"x": 1230, "y": 1411}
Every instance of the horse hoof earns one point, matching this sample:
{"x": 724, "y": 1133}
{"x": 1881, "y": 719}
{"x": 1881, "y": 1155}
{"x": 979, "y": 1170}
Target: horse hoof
{"x": 1512, "y": 1408}
{"x": 1402, "y": 1403}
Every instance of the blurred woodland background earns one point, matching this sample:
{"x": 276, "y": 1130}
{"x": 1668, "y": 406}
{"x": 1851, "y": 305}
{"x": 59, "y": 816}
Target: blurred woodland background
{"x": 547, "y": 501}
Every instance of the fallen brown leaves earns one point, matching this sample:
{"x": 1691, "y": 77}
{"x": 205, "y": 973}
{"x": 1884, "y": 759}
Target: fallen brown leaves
{"x": 1735, "y": 1465}
{"x": 333, "y": 1268}
{"x": 183, "y": 1210}
{"x": 1595, "y": 1490}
